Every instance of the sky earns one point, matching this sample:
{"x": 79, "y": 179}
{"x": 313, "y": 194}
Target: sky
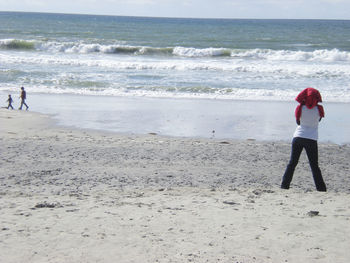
{"x": 260, "y": 9}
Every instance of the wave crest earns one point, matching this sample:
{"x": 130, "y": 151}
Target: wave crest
{"x": 321, "y": 55}
{"x": 17, "y": 44}
{"x": 132, "y": 50}
{"x": 205, "y": 52}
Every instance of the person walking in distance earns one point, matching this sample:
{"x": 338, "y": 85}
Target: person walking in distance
{"x": 10, "y": 100}
{"x": 23, "y": 97}
{"x": 308, "y": 115}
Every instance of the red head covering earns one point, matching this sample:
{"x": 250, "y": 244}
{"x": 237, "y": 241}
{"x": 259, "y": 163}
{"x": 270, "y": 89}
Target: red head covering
{"x": 309, "y": 97}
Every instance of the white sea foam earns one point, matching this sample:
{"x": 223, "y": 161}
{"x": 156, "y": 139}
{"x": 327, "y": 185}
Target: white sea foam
{"x": 205, "y": 52}
{"x": 286, "y": 69}
{"x": 185, "y": 93}
{"x": 321, "y": 55}
{"x": 288, "y": 55}
{"x": 179, "y": 72}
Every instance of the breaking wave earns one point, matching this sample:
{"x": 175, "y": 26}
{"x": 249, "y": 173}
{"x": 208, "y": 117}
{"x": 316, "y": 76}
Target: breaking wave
{"x": 83, "y": 48}
{"x": 322, "y": 55}
{"x": 194, "y": 92}
{"x": 17, "y": 44}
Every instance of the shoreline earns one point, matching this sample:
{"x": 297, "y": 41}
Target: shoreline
{"x": 36, "y": 130}
{"x": 75, "y": 195}
{"x": 238, "y": 120}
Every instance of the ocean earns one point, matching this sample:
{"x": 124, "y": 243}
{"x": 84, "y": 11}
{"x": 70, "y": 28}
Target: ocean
{"x": 222, "y": 60}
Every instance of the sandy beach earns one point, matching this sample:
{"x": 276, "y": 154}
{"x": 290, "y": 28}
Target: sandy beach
{"x": 69, "y": 195}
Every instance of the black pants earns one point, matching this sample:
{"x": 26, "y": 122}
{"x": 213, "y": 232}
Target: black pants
{"x": 311, "y": 148}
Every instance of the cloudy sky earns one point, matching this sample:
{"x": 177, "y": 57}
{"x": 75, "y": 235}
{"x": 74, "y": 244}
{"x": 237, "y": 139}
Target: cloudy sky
{"x": 310, "y": 9}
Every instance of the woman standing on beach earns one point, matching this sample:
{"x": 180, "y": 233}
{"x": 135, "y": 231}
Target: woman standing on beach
{"x": 308, "y": 114}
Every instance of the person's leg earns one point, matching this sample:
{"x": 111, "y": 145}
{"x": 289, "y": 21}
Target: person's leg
{"x": 312, "y": 154}
{"x": 297, "y": 148}
{"x": 20, "y": 108}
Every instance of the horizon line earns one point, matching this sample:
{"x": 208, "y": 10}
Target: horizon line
{"x": 171, "y": 17}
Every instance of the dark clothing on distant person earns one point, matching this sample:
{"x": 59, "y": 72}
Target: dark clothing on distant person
{"x": 23, "y": 99}
{"x": 9, "y": 100}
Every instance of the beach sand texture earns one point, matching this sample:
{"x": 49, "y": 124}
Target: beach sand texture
{"x": 71, "y": 195}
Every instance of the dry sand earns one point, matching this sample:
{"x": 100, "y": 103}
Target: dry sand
{"x": 71, "y": 195}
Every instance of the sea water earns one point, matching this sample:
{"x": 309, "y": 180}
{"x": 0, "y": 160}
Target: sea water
{"x": 210, "y": 62}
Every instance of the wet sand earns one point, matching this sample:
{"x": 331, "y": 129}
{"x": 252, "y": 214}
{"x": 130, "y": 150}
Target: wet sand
{"x": 192, "y": 118}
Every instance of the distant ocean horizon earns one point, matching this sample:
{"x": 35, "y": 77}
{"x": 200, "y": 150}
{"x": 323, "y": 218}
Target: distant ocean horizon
{"x": 245, "y": 59}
